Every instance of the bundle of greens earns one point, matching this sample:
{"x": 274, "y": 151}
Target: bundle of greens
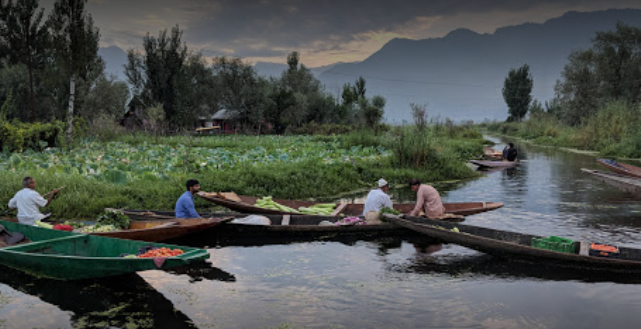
{"x": 388, "y": 210}
{"x": 117, "y": 219}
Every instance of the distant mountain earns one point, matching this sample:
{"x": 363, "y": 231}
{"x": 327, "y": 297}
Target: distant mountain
{"x": 276, "y": 69}
{"x": 461, "y": 75}
{"x": 115, "y": 59}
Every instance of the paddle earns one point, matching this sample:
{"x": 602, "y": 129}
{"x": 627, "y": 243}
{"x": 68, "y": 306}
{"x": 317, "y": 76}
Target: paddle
{"x": 59, "y": 189}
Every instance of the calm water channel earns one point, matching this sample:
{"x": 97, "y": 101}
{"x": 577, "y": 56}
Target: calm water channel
{"x": 384, "y": 283}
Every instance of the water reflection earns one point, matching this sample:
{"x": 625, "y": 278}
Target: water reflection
{"x": 123, "y": 302}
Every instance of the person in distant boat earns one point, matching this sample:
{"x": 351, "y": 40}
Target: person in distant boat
{"x": 428, "y": 201}
{"x": 378, "y": 199}
{"x": 510, "y": 153}
{"x": 185, "y": 207}
{"x": 28, "y": 201}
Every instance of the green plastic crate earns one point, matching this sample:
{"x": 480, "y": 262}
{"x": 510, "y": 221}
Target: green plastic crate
{"x": 554, "y": 243}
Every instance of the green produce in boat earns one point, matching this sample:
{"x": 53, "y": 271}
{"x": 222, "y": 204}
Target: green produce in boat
{"x": 72, "y": 256}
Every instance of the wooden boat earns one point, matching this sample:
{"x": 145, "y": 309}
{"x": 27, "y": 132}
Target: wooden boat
{"x": 494, "y": 164}
{"x": 492, "y": 154}
{"x": 624, "y": 183}
{"x": 517, "y": 245}
{"x": 172, "y": 228}
{"x": 245, "y": 204}
{"x": 621, "y": 168}
{"x": 283, "y": 228}
{"x": 71, "y": 256}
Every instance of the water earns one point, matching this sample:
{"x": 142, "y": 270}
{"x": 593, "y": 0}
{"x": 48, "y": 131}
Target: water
{"x": 381, "y": 283}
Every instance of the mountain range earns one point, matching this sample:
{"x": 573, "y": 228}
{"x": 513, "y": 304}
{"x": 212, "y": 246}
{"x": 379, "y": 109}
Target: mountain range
{"x": 459, "y": 76}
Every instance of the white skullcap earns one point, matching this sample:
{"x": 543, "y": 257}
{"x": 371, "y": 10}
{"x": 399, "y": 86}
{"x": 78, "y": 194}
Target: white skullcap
{"x": 382, "y": 182}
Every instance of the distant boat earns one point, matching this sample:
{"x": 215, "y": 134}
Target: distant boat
{"x": 71, "y": 256}
{"x": 625, "y": 183}
{"x": 494, "y": 164}
{"x": 620, "y": 168}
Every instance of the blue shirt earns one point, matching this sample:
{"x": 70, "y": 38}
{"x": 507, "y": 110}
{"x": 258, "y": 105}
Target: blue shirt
{"x": 185, "y": 207}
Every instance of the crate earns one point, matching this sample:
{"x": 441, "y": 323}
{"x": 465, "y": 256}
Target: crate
{"x": 555, "y": 243}
{"x": 603, "y": 250}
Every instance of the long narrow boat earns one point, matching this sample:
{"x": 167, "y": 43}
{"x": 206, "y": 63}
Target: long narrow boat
{"x": 246, "y": 204}
{"x": 494, "y": 164}
{"x": 172, "y": 228}
{"x": 518, "y": 245}
{"x": 155, "y": 231}
{"x": 624, "y": 183}
{"x": 283, "y": 228}
{"x": 72, "y": 256}
{"x": 621, "y": 168}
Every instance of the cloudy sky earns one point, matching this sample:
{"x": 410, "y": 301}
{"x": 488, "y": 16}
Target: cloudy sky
{"x": 323, "y": 31}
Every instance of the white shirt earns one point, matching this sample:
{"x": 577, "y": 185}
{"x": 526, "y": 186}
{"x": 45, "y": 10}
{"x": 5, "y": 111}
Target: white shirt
{"x": 376, "y": 200}
{"x": 27, "y": 201}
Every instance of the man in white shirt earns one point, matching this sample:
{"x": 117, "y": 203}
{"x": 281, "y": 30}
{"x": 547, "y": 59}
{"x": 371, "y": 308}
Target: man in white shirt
{"x": 378, "y": 199}
{"x": 28, "y": 201}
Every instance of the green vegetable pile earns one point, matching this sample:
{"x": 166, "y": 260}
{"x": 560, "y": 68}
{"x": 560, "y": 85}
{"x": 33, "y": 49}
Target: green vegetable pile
{"x": 388, "y": 210}
{"x": 268, "y": 203}
{"x": 117, "y": 219}
{"x": 325, "y": 209}
{"x": 317, "y": 209}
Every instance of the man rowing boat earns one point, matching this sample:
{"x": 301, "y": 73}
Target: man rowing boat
{"x": 28, "y": 201}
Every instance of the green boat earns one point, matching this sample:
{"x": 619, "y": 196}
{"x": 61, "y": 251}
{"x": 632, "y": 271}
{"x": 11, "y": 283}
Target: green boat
{"x": 72, "y": 256}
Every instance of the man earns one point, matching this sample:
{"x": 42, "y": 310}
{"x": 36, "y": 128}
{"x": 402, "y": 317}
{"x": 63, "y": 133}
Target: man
{"x": 511, "y": 153}
{"x": 28, "y": 201}
{"x": 427, "y": 200}
{"x": 378, "y": 199}
{"x": 185, "y": 207}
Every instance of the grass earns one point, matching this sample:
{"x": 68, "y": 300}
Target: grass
{"x": 614, "y": 131}
{"x": 292, "y": 167}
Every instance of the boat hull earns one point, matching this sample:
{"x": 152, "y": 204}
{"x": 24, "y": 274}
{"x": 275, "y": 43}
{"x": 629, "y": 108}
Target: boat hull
{"x": 72, "y": 256}
{"x": 246, "y": 205}
{"x": 514, "y": 245}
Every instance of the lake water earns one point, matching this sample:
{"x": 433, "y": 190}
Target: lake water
{"x": 381, "y": 283}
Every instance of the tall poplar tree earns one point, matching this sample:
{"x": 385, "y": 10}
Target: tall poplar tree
{"x": 26, "y": 38}
{"x": 75, "y": 41}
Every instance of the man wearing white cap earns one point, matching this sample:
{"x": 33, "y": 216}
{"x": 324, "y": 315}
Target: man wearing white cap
{"x": 378, "y": 199}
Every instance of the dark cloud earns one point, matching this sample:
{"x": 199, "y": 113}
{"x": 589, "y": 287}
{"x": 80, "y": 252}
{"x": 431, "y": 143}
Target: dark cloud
{"x": 265, "y": 28}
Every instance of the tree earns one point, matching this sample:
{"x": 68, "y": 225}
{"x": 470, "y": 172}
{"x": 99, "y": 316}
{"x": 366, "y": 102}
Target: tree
{"x": 609, "y": 71}
{"x": 75, "y": 41}
{"x": 517, "y": 92}
{"x": 26, "y": 38}
{"x": 170, "y": 74}
{"x": 107, "y": 96}
{"x": 240, "y": 90}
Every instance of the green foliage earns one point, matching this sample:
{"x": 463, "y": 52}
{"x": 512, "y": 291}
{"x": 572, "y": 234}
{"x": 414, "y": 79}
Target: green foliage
{"x": 18, "y": 136}
{"x": 114, "y": 218}
{"x": 610, "y": 70}
{"x": 517, "y": 92}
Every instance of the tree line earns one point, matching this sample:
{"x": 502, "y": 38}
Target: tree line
{"x": 607, "y": 73}
{"x": 50, "y": 70}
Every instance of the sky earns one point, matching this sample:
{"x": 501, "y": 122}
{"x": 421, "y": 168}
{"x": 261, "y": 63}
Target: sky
{"x": 322, "y": 31}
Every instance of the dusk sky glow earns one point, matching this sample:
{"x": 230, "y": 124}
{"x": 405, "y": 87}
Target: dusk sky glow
{"x": 324, "y": 32}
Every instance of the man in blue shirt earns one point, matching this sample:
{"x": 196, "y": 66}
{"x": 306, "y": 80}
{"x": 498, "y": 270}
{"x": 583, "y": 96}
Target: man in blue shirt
{"x": 185, "y": 207}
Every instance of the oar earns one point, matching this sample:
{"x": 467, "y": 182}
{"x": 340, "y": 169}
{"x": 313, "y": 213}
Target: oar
{"x": 59, "y": 189}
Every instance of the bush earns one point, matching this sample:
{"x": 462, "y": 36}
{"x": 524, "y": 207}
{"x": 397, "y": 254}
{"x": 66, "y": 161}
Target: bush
{"x": 19, "y": 136}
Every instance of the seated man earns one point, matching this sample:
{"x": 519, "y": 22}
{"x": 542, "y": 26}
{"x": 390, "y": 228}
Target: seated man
{"x": 28, "y": 200}
{"x": 378, "y": 199}
{"x": 510, "y": 154}
{"x": 185, "y": 207}
{"x": 427, "y": 200}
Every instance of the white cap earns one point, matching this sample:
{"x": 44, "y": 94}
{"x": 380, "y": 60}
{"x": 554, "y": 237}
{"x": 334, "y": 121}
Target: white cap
{"x": 382, "y": 182}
